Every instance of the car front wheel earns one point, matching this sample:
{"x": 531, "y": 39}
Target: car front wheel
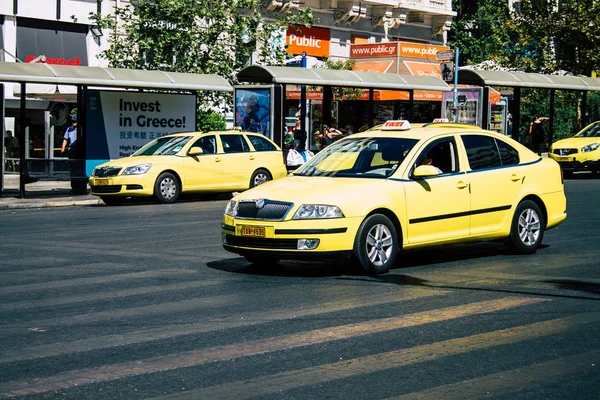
{"x": 376, "y": 244}
{"x": 166, "y": 188}
{"x": 259, "y": 177}
{"x": 527, "y": 229}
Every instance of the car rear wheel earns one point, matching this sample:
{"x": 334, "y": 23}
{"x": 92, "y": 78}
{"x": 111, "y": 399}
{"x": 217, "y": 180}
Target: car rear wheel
{"x": 259, "y": 177}
{"x": 112, "y": 201}
{"x": 527, "y": 228}
{"x": 376, "y": 244}
{"x": 166, "y": 188}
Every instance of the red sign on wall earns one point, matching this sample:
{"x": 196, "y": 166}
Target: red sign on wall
{"x": 313, "y": 41}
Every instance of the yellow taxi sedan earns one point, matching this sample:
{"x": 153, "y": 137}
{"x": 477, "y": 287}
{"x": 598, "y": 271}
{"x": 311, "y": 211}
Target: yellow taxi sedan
{"x": 190, "y": 162}
{"x": 580, "y": 152}
{"x": 372, "y": 194}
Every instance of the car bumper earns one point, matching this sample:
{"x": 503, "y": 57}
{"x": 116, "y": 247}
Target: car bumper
{"x": 129, "y": 185}
{"x": 335, "y": 236}
{"x": 575, "y": 164}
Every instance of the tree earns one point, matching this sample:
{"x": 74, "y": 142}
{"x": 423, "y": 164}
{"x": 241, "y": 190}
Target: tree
{"x": 197, "y": 36}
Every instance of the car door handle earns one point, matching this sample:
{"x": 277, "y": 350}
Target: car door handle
{"x": 515, "y": 177}
{"x": 252, "y": 157}
{"x": 217, "y": 159}
{"x": 461, "y": 185}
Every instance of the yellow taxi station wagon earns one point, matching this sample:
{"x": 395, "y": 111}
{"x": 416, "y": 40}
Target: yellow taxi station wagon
{"x": 188, "y": 162}
{"x": 372, "y": 194}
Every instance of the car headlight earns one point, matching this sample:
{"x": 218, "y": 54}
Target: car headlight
{"x": 137, "y": 170}
{"x": 231, "y": 208}
{"x": 590, "y": 147}
{"x": 318, "y": 211}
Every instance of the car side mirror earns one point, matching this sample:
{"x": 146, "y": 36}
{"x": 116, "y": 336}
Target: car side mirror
{"x": 194, "y": 151}
{"x": 423, "y": 171}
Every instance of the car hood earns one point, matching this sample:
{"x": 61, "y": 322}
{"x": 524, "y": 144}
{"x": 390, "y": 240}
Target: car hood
{"x": 320, "y": 190}
{"x": 575, "y": 142}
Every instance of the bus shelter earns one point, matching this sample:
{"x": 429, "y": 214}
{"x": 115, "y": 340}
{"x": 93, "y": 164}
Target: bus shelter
{"x": 281, "y": 77}
{"x": 518, "y": 80}
{"x": 143, "y": 82}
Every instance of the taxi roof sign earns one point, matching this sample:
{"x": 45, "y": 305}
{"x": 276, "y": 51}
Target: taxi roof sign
{"x": 440, "y": 120}
{"x": 396, "y": 125}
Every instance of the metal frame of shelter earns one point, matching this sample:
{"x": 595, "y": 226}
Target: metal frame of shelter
{"x": 84, "y": 77}
{"x": 337, "y": 78}
{"x": 518, "y": 80}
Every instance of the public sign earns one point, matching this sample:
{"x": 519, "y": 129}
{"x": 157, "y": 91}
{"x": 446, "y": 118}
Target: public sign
{"x": 312, "y": 41}
{"x": 118, "y": 123}
{"x": 447, "y": 71}
{"x": 445, "y": 55}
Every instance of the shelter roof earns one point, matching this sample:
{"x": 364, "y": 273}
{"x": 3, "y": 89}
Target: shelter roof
{"x": 110, "y": 77}
{"x": 526, "y": 79}
{"x": 341, "y": 78}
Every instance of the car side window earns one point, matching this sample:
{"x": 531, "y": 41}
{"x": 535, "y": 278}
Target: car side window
{"x": 482, "y": 151}
{"x": 508, "y": 154}
{"x": 234, "y": 144}
{"x": 261, "y": 144}
{"x": 441, "y": 154}
{"x": 207, "y": 143}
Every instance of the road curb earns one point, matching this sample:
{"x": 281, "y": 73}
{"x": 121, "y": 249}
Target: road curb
{"x": 51, "y": 203}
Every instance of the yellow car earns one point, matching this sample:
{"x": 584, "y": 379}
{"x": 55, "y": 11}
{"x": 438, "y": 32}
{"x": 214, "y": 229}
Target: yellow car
{"x": 579, "y": 153}
{"x": 372, "y": 194}
{"x": 190, "y": 162}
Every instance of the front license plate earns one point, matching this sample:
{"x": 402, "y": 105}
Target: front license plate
{"x": 562, "y": 158}
{"x": 102, "y": 182}
{"x": 255, "y": 231}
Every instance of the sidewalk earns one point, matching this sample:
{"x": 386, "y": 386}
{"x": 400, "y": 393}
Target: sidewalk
{"x": 42, "y": 194}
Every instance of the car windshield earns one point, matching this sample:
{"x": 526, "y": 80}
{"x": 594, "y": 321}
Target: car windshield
{"x": 359, "y": 158}
{"x": 592, "y": 130}
{"x": 164, "y": 146}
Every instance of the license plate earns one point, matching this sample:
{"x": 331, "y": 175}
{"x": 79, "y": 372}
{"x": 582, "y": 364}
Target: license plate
{"x": 102, "y": 182}
{"x": 562, "y": 158}
{"x": 255, "y": 231}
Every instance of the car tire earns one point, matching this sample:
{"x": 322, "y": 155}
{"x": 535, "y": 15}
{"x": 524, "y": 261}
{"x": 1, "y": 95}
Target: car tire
{"x": 166, "y": 188}
{"x": 259, "y": 177}
{"x": 376, "y": 244}
{"x": 112, "y": 201}
{"x": 262, "y": 260}
{"x": 527, "y": 228}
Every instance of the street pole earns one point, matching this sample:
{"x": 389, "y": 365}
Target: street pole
{"x": 303, "y": 107}
{"x": 455, "y": 99}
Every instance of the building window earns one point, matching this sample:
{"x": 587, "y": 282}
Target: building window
{"x": 415, "y": 17}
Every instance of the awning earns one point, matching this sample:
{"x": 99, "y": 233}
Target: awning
{"x": 526, "y": 79}
{"x": 110, "y": 77}
{"x": 339, "y": 78}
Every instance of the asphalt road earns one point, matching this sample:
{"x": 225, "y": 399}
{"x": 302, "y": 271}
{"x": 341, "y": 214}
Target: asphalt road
{"x": 141, "y": 301}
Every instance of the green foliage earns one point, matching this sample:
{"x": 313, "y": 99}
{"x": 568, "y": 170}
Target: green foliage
{"x": 210, "y": 121}
{"x": 342, "y": 93}
{"x": 196, "y": 36}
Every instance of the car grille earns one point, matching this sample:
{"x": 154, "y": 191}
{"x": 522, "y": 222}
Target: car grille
{"x": 565, "y": 152}
{"x": 262, "y": 209}
{"x": 568, "y": 165}
{"x": 103, "y": 172}
{"x": 262, "y": 243}
{"x": 106, "y": 189}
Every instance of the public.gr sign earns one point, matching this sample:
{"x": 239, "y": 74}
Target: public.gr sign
{"x": 119, "y": 123}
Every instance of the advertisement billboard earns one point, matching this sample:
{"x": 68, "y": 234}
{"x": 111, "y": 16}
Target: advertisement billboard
{"x": 118, "y": 123}
{"x": 254, "y": 109}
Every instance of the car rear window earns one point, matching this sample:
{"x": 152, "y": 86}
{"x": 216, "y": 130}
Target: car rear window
{"x": 261, "y": 144}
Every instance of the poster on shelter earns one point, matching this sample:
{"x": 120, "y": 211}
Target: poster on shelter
{"x": 253, "y": 110}
{"x": 118, "y": 123}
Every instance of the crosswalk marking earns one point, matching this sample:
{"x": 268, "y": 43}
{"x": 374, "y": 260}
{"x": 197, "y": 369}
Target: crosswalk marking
{"x": 93, "y": 280}
{"x": 197, "y": 357}
{"x": 277, "y": 383}
{"x": 523, "y": 377}
{"x": 233, "y": 321}
{"x": 114, "y": 294}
